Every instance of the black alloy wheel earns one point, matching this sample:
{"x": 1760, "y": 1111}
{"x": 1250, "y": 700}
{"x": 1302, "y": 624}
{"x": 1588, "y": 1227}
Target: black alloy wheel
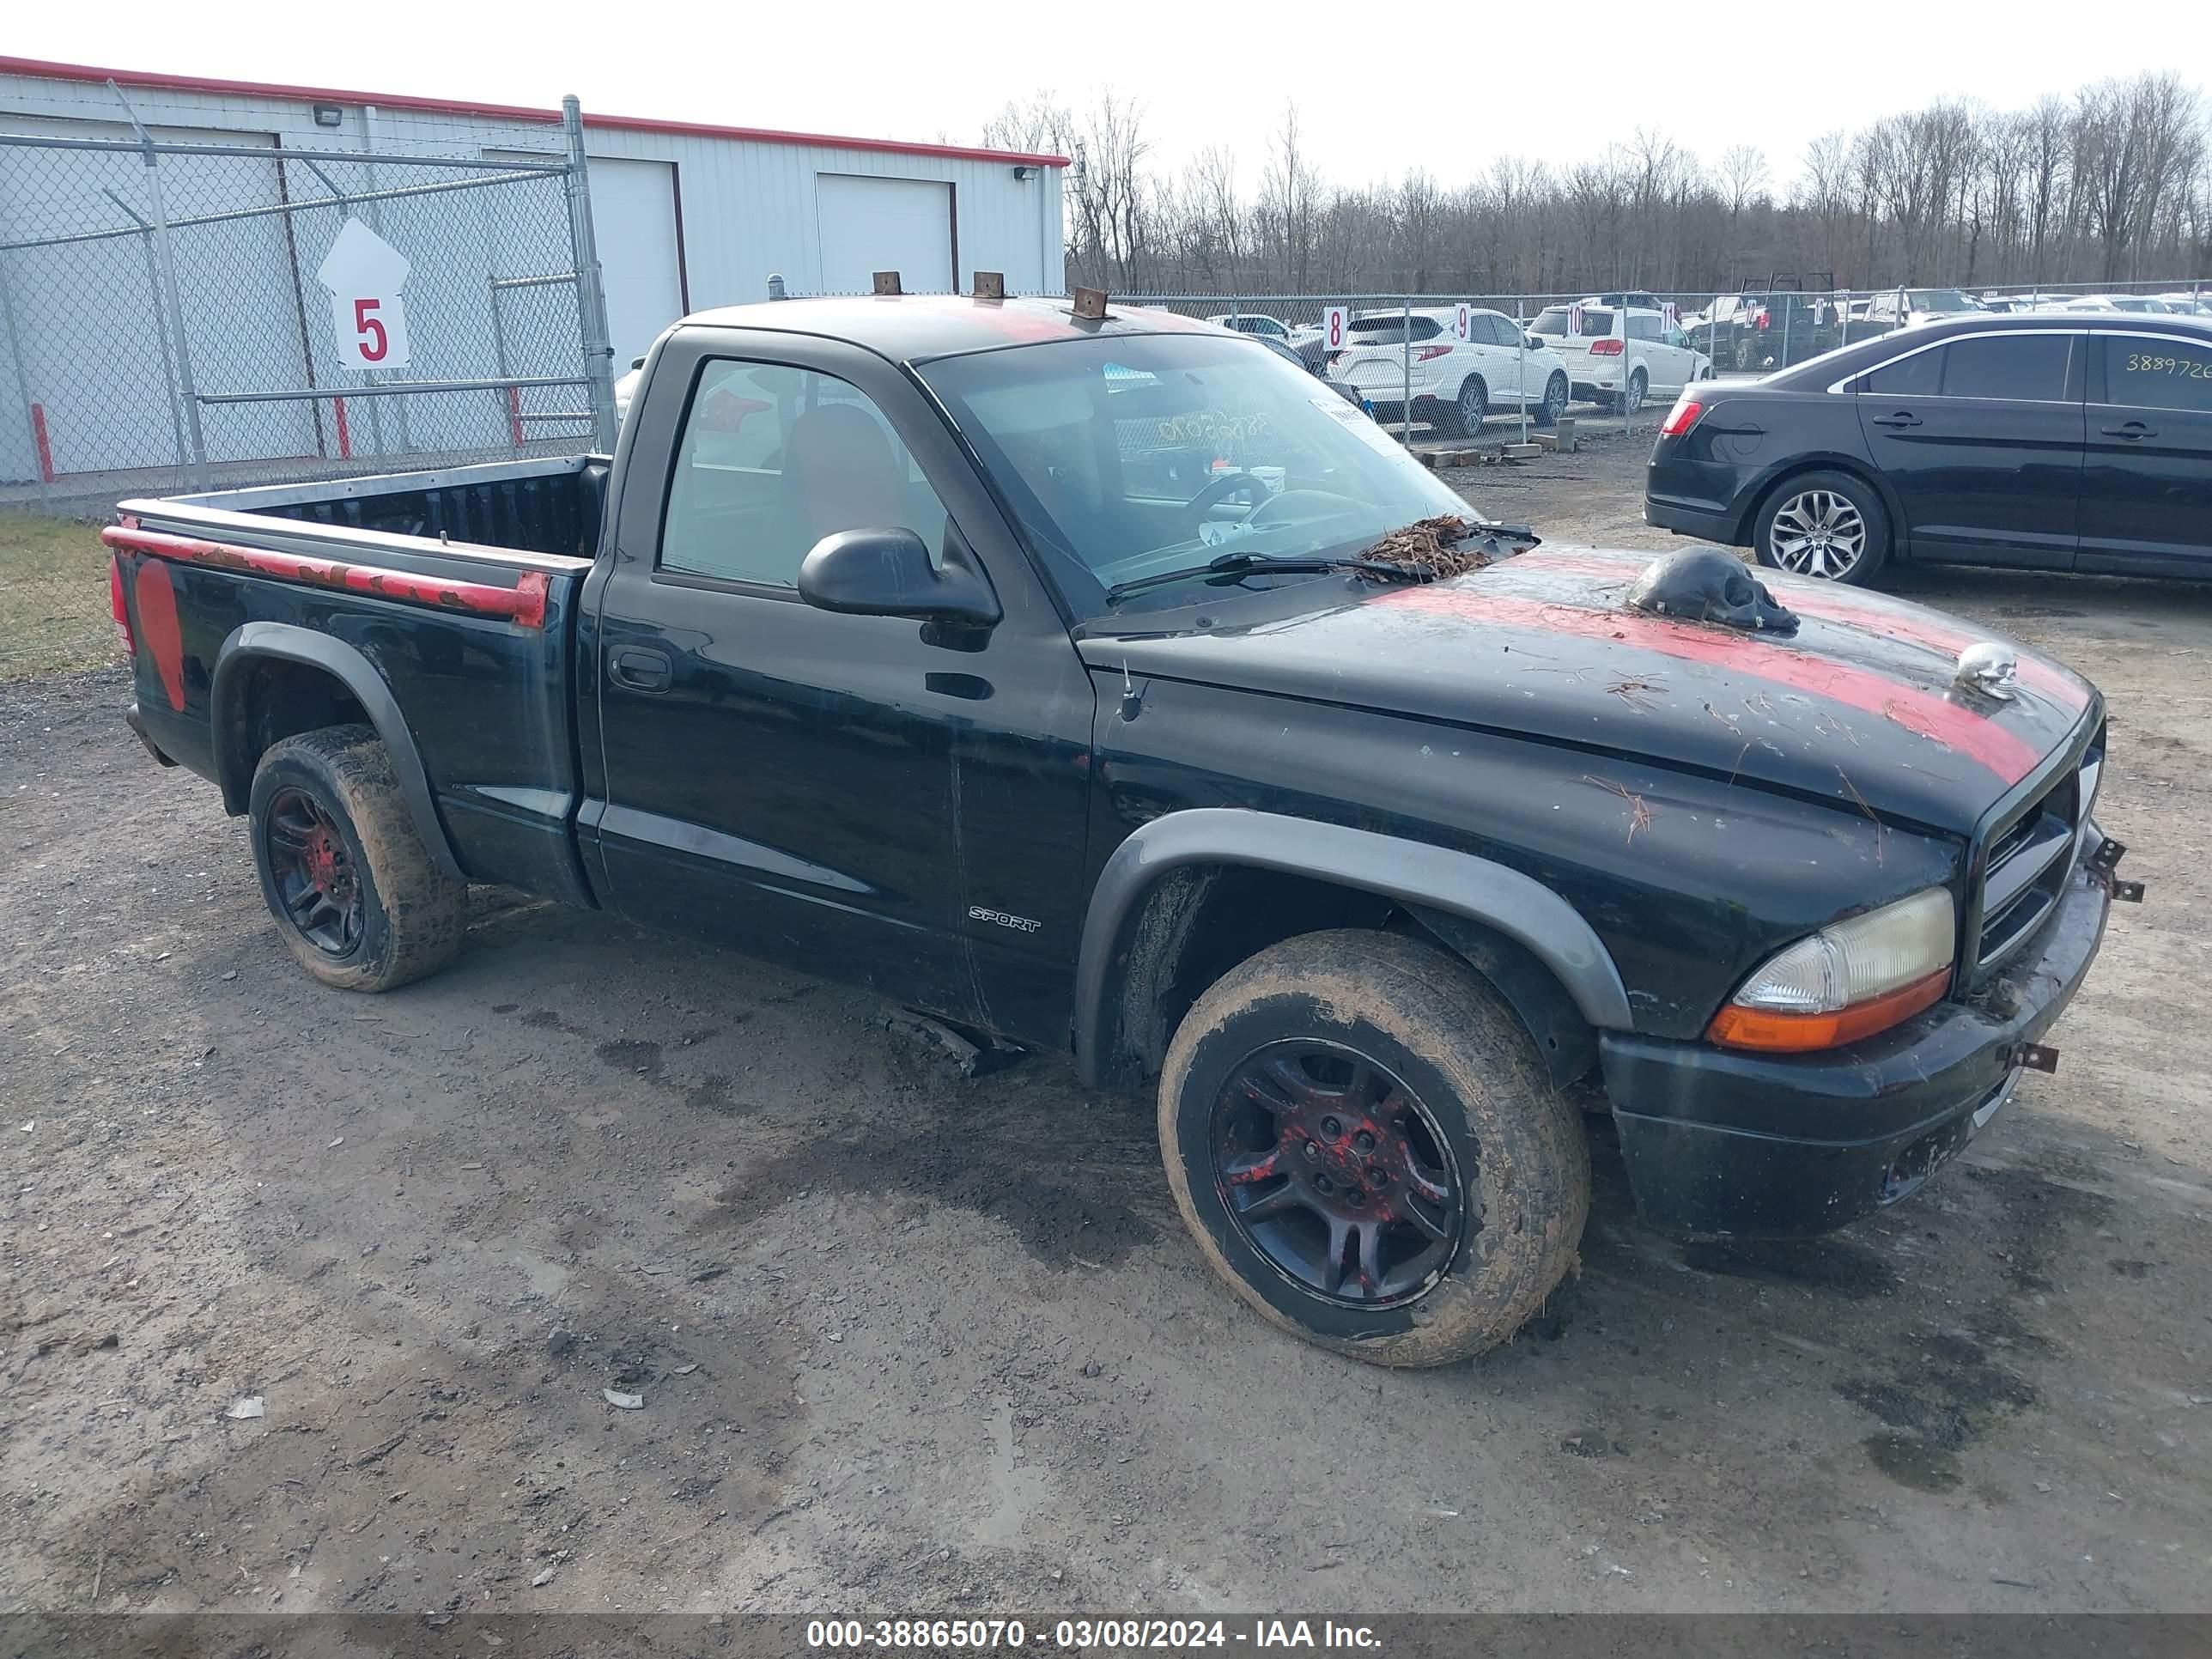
{"x": 1336, "y": 1173}
{"x": 317, "y": 885}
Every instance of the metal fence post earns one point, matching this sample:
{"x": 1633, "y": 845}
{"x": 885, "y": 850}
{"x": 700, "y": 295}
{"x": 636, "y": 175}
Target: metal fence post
{"x": 160, "y": 326}
{"x": 1406, "y": 368}
{"x": 1521, "y": 350}
{"x": 22, "y": 376}
{"x": 591, "y": 296}
{"x": 187, "y": 393}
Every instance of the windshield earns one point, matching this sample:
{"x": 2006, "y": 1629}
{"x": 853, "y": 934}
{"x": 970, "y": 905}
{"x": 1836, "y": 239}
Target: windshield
{"x": 1132, "y": 456}
{"x": 1942, "y": 299}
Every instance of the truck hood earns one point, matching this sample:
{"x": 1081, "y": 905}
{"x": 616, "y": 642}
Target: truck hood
{"x": 1857, "y": 707}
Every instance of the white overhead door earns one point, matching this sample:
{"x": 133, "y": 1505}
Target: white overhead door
{"x": 866, "y": 225}
{"x": 633, "y": 221}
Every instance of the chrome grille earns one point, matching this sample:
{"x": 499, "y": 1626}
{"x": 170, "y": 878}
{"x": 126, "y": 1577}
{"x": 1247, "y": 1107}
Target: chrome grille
{"x": 2030, "y": 857}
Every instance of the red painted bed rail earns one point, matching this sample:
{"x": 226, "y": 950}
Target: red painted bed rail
{"x": 524, "y": 602}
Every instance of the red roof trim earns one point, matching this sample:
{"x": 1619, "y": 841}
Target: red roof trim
{"x": 50, "y": 71}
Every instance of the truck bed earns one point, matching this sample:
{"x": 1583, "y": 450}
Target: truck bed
{"x": 527, "y": 506}
{"x": 486, "y": 561}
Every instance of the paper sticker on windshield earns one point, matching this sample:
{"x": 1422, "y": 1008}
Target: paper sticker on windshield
{"x": 1213, "y": 532}
{"x": 1357, "y": 421}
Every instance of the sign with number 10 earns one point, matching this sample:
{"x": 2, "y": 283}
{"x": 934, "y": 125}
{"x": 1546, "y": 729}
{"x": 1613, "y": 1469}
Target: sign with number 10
{"x": 364, "y": 274}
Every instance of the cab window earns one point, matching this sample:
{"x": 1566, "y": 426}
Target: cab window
{"x": 772, "y": 459}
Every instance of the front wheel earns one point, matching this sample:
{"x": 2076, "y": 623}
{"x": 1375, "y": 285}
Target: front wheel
{"x": 355, "y": 893}
{"x": 1365, "y": 1145}
{"x": 1827, "y": 525}
{"x": 1555, "y": 402}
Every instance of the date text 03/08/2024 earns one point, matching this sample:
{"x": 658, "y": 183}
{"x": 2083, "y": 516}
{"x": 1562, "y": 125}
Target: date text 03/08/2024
{"x": 1087, "y": 1634}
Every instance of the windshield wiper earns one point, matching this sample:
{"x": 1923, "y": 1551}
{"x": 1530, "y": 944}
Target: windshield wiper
{"x": 1235, "y": 566}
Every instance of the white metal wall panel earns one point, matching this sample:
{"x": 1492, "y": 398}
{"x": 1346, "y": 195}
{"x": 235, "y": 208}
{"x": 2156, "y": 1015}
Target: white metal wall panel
{"x": 863, "y": 225}
{"x": 633, "y": 221}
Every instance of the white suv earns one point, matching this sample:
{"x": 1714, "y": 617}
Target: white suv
{"x": 1455, "y": 382}
{"x": 1252, "y": 322}
{"x": 1608, "y": 347}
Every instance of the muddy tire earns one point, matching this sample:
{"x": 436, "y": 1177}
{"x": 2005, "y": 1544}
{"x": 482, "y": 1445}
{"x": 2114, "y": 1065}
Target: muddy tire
{"x": 354, "y": 893}
{"x": 1362, "y": 1140}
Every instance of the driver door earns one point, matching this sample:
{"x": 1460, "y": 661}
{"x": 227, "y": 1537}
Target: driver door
{"x": 864, "y": 798}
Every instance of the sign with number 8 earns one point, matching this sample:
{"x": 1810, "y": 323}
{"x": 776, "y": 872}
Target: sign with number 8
{"x": 1335, "y": 326}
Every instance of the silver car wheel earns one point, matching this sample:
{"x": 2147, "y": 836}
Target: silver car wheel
{"x": 1818, "y": 534}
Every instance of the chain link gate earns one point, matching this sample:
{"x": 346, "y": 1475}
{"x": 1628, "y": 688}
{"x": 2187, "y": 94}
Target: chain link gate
{"x": 163, "y": 326}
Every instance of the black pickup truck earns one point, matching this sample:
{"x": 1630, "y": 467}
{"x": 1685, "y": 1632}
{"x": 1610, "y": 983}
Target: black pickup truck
{"x": 1102, "y": 683}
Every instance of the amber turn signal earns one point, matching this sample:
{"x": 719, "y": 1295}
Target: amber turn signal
{"x": 1773, "y": 1033}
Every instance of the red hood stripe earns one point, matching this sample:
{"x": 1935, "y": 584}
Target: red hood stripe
{"x": 1929, "y": 629}
{"x": 1957, "y": 729}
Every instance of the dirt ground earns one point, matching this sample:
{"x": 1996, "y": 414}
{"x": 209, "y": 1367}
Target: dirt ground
{"x": 907, "y": 1342}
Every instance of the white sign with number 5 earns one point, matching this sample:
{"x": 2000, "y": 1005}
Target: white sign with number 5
{"x": 364, "y": 274}
{"x": 1335, "y": 327}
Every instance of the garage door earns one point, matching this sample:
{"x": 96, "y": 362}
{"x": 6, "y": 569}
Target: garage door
{"x": 867, "y": 225}
{"x": 633, "y": 220}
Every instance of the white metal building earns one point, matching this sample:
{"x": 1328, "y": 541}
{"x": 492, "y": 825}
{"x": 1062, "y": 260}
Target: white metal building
{"x": 686, "y": 216}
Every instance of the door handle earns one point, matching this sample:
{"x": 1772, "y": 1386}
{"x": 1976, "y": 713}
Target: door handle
{"x": 1899, "y": 421}
{"x": 2130, "y": 430}
{"x": 640, "y": 671}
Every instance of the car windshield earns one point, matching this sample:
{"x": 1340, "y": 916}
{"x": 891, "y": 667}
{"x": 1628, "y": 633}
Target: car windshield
{"x": 1942, "y": 299}
{"x": 1135, "y": 455}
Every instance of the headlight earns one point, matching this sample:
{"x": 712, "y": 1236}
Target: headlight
{"x": 1846, "y": 982}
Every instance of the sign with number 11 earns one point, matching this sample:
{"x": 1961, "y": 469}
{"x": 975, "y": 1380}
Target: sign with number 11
{"x": 364, "y": 274}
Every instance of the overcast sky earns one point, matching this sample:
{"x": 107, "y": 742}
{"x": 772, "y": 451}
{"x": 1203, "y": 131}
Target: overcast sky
{"x": 1375, "y": 97}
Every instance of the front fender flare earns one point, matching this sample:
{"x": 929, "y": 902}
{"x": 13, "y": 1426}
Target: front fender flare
{"x": 1415, "y": 874}
{"x": 286, "y": 642}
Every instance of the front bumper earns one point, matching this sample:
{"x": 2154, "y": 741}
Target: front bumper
{"x": 1719, "y": 1141}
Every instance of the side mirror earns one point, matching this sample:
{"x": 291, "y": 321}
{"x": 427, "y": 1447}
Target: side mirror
{"x": 888, "y": 573}
{"x": 1534, "y": 343}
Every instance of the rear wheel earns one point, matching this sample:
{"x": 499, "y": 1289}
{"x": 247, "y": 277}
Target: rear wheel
{"x": 355, "y": 893}
{"x": 1463, "y": 419}
{"x": 1555, "y": 402}
{"x": 1365, "y": 1145}
{"x": 1827, "y": 525}
{"x": 1637, "y": 387}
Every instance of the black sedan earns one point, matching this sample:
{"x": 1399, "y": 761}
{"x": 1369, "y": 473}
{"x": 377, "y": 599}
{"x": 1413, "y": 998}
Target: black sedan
{"x": 2066, "y": 442}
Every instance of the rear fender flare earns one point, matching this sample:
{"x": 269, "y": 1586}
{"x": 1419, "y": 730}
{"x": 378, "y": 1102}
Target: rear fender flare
{"x": 284, "y": 643}
{"x": 1423, "y": 877}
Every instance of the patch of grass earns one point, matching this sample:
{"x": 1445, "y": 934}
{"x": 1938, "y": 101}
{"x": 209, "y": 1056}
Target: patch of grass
{"x": 53, "y": 597}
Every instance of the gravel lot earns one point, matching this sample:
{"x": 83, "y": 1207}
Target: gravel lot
{"x": 907, "y": 1342}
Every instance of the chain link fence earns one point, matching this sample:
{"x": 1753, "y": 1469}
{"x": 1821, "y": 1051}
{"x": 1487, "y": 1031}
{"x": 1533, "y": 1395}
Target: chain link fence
{"x": 179, "y": 316}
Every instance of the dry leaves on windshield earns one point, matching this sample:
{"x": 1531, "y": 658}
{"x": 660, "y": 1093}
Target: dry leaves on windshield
{"x": 1426, "y": 547}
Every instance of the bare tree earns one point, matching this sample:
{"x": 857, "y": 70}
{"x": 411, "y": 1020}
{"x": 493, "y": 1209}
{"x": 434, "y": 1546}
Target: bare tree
{"x": 2116, "y": 182}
